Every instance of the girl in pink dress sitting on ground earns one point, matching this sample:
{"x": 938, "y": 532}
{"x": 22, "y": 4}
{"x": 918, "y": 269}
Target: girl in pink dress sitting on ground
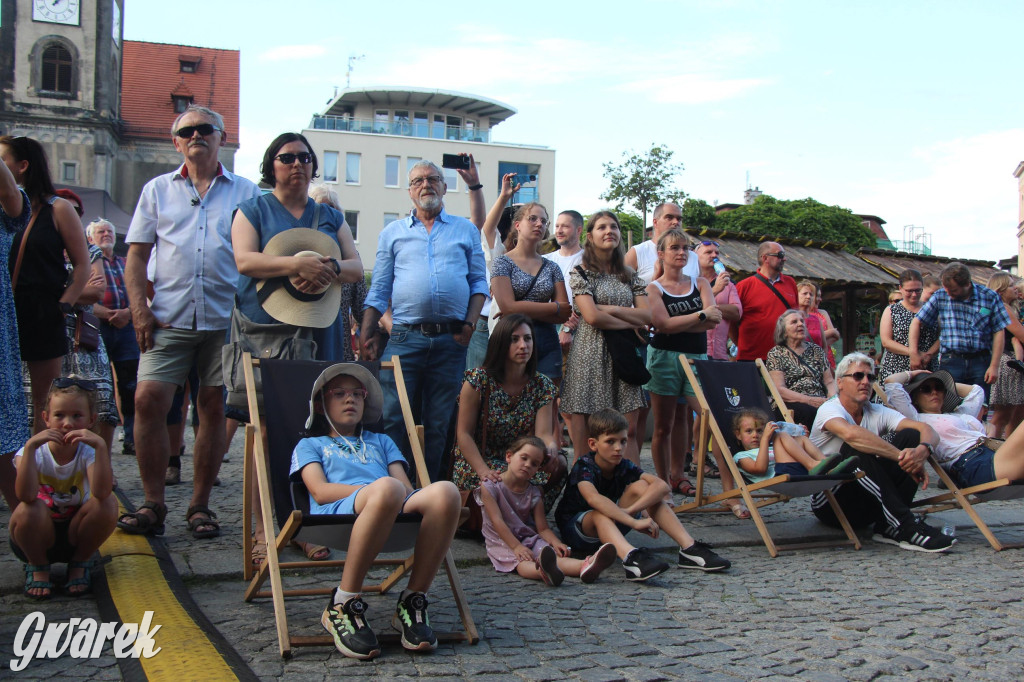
{"x": 516, "y": 531}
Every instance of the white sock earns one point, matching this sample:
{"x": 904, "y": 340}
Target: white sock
{"x": 340, "y": 596}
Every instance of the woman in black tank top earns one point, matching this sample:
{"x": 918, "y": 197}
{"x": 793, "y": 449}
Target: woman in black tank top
{"x": 682, "y": 310}
{"x": 42, "y": 288}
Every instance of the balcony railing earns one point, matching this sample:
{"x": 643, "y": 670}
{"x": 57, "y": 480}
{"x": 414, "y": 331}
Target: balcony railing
{"x": 424, "y": 129}
{"x": 903, "y": 246}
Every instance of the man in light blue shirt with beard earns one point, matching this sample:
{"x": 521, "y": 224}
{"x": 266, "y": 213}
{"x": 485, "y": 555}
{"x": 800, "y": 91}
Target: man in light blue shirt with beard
{"x": 430, "y": 270}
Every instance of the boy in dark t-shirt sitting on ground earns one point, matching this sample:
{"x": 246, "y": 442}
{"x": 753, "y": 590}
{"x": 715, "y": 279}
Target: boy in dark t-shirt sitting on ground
{"x": 607, "y": 496}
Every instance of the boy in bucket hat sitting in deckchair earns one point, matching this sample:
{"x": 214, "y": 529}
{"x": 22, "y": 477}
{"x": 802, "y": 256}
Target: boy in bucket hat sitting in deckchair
{"x": 351, "y": 471}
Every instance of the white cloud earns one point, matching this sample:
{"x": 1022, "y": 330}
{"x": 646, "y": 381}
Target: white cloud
{"x": 967, "y": 199}
{"x": 695, "y": 88}
{"x": 292, "y": 53}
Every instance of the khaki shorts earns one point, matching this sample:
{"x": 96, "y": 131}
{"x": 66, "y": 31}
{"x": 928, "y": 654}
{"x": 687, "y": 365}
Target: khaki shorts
{"x": 175, "y": 350}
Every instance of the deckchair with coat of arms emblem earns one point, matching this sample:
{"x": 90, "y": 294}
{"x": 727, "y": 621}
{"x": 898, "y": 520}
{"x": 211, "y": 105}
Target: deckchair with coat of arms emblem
{"x": 269, "y": 442}
{"x": 723, "y": 389}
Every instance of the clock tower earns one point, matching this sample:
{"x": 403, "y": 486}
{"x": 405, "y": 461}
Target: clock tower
{"x": 60, "y": 83}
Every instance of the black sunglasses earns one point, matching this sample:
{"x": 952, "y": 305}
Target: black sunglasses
{"x": 203, "y": 129}
{"x": 68, "y": 382}
{"x": 859, "y": 376}
{"x": 288, "y": 158}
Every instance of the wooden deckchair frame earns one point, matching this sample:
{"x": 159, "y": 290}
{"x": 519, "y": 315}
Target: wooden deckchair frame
{"x": 956, "y": 497}
{"x": 256, "y": 457}
{"x": 754, "y": 495}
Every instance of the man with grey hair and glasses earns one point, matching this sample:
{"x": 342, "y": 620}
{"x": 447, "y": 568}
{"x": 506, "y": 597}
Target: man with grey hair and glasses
{"x": 891, "y": 451}
{"x": 430, "y": 270}
{"x": 183, "y": 221}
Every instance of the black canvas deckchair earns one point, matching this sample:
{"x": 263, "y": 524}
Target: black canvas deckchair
{"x": 956, "y": 497}
{"x": 724, "y": 389}
{"x": 286, "y": 387}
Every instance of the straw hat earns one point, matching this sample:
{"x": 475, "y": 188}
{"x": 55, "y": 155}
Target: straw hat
{"x": 282, "y": 300}
{"x": 373, "y": 407}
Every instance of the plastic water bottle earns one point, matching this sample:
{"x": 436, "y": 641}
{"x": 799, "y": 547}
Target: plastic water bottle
{"x": 719, "y": 266}
{"x": 795, "y": 430}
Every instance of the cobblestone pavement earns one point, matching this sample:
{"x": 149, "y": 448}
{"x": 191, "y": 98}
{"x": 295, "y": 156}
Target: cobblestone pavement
{"x": 877, "y": 613}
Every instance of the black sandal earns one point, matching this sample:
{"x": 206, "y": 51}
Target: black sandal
{"x": 195, "y": 524}
{"x": 144, "y": 524}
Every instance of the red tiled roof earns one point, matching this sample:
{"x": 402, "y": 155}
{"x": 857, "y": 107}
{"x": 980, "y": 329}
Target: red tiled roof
{"x": 152, "y": 72}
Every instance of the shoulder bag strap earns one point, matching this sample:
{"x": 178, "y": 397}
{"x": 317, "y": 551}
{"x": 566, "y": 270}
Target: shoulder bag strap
{"x": 21, "y": 252}
{"x": 543, "y": 264}
{"x": 771, "y": 286}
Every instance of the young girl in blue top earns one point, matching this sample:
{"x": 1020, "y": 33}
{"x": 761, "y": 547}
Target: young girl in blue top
{"x": 769, "y": 452}
{"x": 351, "y": 471}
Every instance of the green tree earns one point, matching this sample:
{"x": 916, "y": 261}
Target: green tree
{"x": 631, "y": 224}
{"x": 800, "y": 219}
{"x": 643, "y": 181}
{"x": 698, "y": 213}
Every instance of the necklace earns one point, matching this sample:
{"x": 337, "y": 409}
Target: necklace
{"x": 357, "y": 450}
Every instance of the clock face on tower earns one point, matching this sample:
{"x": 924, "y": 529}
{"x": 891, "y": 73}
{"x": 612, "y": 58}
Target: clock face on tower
{"x": 56, "y": 11}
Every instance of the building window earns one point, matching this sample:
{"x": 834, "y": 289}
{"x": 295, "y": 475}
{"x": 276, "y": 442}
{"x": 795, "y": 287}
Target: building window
{"x": 454, "y": 127}
{"x": 420, "y": 124}
{"x": 181, "y": 103}
{"x": 330, "y": 166}
{"x": 451, "y": 178}
{"x": 437, "y": 130}
{"x": 380, "y": 121}
{"x": 57, "y": 70}
{"x": 352, "y": 168}
{"x": 69, "y": 172}
{"x": 409, "y": 163}
{"x": 352, "y": 218}
{"x": 188, "y": 65}
{"x": 391, "y": 171}
{"x": 390, "y": 218}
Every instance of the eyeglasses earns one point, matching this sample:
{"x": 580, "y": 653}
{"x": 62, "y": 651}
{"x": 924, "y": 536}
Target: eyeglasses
{"x": 432, "y": 179}
{"x": 913, "y": 291}
{"x": 932, "y": 388}
{"x": 288, "y": 158}
{"x": 709, "y": 242}
{"x": 203, "y": 129}
{"x": 343, "y": 393}
{"x": 68, "y": 382}
{"x": 859, "y": 376}
{"x": 537, "y": 219}
{"x": 781, "y": 255}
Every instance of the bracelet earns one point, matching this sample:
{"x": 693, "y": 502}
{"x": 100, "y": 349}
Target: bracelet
{"x": 473, "y": 188}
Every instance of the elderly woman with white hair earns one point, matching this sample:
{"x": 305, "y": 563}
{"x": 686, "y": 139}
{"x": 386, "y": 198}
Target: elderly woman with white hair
{"x": 799, "y": 368}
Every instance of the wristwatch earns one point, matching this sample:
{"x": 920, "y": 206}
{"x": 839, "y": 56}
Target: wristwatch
{"x": 566, "y": 328}
{"x": 931, "y": 449}
{"x": 702, "y": 316}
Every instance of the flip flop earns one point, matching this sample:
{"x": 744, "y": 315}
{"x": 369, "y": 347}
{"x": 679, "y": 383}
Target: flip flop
{"x": 740, "y": 510}
{"x": 312, "y": 552}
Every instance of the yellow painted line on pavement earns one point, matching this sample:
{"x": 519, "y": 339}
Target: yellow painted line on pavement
{"x": 137, "y": 584}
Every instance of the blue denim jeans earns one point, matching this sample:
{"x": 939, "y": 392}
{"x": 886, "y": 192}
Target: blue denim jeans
{"x": 967, "y": 370}
{"x": 433, "y": 367}
{"x": 477, "y": 350}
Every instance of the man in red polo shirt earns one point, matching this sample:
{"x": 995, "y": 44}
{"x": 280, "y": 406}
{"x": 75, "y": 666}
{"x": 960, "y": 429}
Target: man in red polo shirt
{"x": 765, "y": 295}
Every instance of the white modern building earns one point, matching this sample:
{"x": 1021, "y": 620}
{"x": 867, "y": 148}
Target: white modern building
{"x": 367, "y": 139}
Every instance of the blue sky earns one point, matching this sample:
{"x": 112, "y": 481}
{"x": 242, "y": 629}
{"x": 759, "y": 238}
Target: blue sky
{"x": 911, "y": 111}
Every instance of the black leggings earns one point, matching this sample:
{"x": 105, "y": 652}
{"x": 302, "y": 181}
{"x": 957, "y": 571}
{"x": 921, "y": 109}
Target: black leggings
{"x": 883, "y": 495}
